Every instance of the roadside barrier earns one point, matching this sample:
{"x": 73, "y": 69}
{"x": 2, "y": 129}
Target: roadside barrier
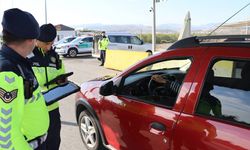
{"x": 122, "y": 59}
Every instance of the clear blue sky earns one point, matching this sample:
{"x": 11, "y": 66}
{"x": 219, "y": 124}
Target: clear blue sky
{"x": 75, "y": 12}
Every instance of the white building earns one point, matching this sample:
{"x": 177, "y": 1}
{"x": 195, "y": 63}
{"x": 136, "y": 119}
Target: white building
{"x": 64, "y": 31}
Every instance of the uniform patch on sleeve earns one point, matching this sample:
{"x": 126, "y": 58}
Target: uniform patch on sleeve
{"x": 7, "y": 97}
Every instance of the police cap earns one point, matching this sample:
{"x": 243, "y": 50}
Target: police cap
{"x": 47, "y": 33}
{"x": 20, "y": 24}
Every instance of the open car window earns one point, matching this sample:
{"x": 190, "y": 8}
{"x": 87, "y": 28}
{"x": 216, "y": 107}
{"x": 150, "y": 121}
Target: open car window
{"x": 140, "y": 84}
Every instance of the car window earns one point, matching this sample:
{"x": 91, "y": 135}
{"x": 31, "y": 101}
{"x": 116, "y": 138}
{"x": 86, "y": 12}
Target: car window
{"x": 112, "y": 39}
{"x": 226, "y": 91}
{"x": 135, "y": 40}
{"x": 141, "y": 86}
{"x": 68, "y": 40}
{"x": 87, "y": 40}
{"x": 122, "y": 39}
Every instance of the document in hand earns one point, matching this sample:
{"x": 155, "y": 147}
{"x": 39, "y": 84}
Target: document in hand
{"x": 59, "y": 92}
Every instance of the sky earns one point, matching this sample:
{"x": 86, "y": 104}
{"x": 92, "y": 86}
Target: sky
{"x": 120, "y": 12}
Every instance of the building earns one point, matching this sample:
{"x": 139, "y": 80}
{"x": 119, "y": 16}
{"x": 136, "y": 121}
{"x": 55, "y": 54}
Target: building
{"x": 64, "y": 31}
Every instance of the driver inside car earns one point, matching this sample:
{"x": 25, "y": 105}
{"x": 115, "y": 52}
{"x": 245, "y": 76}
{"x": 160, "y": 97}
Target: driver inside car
{"x": 173, "y": 85}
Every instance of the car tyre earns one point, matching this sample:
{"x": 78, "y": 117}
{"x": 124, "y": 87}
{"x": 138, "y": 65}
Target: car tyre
{"x": 72, "y": 52}
{"x": 89, "y": 131}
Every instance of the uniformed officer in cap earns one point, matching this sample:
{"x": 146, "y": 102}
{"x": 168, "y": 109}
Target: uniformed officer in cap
{"x": 24, "y": 116}
{"x": 47, "y": 65}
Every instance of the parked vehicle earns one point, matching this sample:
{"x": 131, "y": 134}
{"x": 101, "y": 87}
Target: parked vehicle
{"x": 124, "y": 41}
{"x": 204, "y": 103}
{"x": 64, "y": 40}
{"x": 79, "y": 45}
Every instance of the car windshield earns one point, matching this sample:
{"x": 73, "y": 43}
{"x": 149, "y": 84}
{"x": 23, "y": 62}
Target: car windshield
{"x": 77, "y": 40}
{"x": 65, "y": 40}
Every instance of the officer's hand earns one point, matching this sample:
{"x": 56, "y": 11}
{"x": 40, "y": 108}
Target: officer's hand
{"x": 159, "y": 79}
{"x": 62, "y": 81}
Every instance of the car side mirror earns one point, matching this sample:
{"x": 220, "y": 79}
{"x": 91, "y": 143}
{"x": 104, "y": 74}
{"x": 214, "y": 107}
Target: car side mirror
{"x": 107, "y": 88}
{"x": 142, "y": 42}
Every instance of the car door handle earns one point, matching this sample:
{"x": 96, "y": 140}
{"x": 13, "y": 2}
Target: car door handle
{"x": 158, "y": 126}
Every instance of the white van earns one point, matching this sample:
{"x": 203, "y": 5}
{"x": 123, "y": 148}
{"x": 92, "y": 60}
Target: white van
{"x": 125, "y": 41}
{"x": 80, "y": 45}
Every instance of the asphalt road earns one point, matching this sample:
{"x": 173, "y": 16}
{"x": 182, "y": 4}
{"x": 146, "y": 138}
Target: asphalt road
{"x": 85, "y": 68}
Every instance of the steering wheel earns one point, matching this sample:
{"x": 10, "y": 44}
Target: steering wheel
{"x": 155, "y": 90}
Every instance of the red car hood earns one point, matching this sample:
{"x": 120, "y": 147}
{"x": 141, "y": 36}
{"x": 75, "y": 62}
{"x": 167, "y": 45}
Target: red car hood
{"x": 91, "y": 87}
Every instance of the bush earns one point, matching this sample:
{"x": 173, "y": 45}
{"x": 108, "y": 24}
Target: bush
{"x": 160, "y": 38}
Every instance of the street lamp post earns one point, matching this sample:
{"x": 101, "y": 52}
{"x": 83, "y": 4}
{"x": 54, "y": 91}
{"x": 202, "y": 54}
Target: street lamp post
{"x": 45, "y": 11}
{"x": 154, "y": 27}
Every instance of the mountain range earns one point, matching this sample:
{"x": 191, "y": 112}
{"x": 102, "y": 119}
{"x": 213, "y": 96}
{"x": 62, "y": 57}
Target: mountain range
{"x": 132, "y": 28}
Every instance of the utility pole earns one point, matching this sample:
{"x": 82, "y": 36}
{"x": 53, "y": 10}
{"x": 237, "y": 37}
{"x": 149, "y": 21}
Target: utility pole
{"x": 45, "y": 11}
{"x": 154, "y": 27}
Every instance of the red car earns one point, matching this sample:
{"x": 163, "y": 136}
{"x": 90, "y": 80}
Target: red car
{"x": 195, "y": 95}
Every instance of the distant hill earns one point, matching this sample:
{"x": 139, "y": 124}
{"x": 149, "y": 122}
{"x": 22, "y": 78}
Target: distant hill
{"x": 163, "y": 28}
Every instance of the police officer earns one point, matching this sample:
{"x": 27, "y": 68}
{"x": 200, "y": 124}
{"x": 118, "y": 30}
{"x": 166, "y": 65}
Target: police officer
{"x": 103, "y": 46}
{"x": 24, "y": 116}
{"x": 47, "y": 65}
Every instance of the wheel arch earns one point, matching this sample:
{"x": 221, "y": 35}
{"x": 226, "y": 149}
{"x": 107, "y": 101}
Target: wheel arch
{"x": 82, "y": 105}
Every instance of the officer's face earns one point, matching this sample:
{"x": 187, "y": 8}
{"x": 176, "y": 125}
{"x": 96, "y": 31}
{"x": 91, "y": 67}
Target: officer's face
{"x": 46, "y": 46}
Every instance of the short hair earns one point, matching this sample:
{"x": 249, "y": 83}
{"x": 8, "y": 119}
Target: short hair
{"x": 9, "y": 38}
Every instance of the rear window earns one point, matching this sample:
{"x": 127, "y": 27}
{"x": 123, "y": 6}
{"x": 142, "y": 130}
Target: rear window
{"x": 226, "y": 92}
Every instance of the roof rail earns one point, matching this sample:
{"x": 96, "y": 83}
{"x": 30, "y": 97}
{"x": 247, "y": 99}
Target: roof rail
{"x": 223, "y": 37}
{"x": 215, "y": 40}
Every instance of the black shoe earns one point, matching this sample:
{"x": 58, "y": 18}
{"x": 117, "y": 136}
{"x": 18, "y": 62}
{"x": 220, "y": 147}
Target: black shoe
{"x": 101, "y": 65}
{"x": 99, "y": 59}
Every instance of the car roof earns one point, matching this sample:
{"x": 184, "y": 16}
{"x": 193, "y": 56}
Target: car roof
{"x": 119, "y": 34}
{"x": 213, "y": 41}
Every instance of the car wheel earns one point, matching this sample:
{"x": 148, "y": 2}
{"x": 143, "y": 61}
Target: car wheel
{"x": 72, "y": 52}
{"x": 89, "y": 132}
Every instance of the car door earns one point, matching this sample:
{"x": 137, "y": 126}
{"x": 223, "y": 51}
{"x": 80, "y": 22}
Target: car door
{"x": 138, "y": 120}
{"x": 136, "y": 44}
{"x": 85, "y": 45}
{"x": 220, "y": 118}
{"x": 119, "y": 42}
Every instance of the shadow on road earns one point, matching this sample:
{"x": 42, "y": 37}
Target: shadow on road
{"x": 81, "y": 56}
{"x": 69, "y": 123}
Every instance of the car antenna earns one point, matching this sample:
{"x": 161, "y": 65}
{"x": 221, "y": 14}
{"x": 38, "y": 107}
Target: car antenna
{"x": 228, "y": 19}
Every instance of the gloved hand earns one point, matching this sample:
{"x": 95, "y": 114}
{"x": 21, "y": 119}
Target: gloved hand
{"x": 159, "y": 78}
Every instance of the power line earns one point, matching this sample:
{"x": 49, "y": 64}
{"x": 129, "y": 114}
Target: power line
{"x": 229, "y": 19}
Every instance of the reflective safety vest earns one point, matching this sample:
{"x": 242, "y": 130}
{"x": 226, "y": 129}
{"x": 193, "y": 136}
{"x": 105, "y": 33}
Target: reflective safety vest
{"x": 103, "y": 43}
{"x": 24, "y": 115}
{"x": 46, "y": 67}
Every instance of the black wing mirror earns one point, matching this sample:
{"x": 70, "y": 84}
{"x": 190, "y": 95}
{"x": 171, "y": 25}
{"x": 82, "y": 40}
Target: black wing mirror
{"x": 107, "y": 88}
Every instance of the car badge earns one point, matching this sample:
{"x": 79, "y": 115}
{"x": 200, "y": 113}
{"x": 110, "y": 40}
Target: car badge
{"x": 8, "y": 97}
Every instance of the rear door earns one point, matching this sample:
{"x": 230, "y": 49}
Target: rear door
{"x": 136, "y": 44}
{"x": 139, "y": 119}
{"x": 216, "y": 115}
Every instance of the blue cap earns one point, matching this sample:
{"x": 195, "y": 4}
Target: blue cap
{"x": 47, "y": 33}
{"x": 20, "y": 24}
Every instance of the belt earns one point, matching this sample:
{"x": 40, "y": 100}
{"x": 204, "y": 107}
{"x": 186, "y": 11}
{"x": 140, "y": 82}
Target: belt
{"x": 35, "y": 143}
